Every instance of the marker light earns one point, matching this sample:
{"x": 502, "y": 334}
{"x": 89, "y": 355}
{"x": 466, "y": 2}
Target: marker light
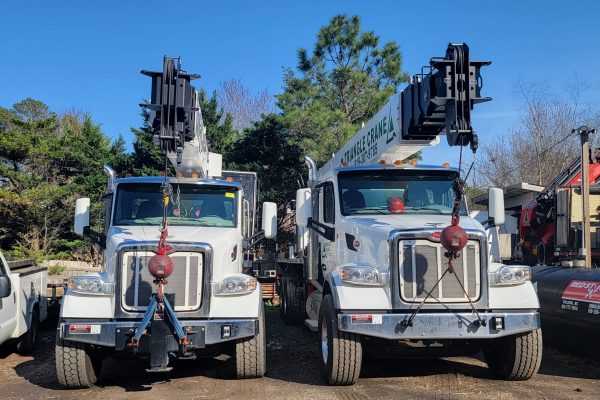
{"x": 413, "y": 162}
{"x": 446, "y": 165}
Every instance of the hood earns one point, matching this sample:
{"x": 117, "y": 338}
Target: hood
{"x": 222, "y": 241}
{"x": 386, "y": 223}
{"x": 177, "y": 234}
{"x": 373, "y": 231}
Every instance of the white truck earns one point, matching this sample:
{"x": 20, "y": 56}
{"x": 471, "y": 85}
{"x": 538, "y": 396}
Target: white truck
{"x": 23, "y": 302}
{"x": 371, "y": 269}
{"x": 206, "y": 302}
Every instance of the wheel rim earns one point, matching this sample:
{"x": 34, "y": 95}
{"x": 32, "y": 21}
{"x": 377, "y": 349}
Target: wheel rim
{"x": 324, "y": 342}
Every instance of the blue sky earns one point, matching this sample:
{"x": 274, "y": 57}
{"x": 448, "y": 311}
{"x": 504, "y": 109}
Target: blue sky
{"x": 87, "y": 55}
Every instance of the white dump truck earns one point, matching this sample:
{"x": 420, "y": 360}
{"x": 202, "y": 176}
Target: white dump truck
{"x": 172, "y": 283}
{"x": 23, "y": 302}
{"x": 374, "y": 269}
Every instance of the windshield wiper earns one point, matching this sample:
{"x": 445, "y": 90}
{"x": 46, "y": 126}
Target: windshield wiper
{"x": 378, "y": 210}
{"x": 437, "y": 210}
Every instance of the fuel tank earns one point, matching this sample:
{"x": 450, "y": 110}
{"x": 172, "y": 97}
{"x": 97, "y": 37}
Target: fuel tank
{"x": 569, "y": 306}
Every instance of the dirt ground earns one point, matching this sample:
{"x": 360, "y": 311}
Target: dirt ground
{"x": 292, "y": 373}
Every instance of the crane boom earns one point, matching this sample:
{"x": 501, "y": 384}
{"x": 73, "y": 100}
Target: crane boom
{"x": 436, "y": 101}
{"x": 176, "y": 119}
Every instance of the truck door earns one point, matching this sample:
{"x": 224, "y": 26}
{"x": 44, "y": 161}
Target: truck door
{"x": 327, "y": 221}
{"x": 8, "y": 311}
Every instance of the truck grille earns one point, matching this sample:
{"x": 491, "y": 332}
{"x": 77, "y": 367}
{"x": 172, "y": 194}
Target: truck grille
{"x": 423, "y": 262}
{"x": 184, "y": 285}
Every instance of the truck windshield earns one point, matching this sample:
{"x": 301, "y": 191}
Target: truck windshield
{"x": 397, "y": 192}
{"x": 141, "y": 204}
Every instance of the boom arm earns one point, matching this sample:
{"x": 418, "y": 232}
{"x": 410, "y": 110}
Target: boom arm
{"x": 436, "y": 101}
{"x": 176, "y": 120}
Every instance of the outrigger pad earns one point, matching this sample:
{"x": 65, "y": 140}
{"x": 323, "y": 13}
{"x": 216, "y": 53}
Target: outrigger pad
{"x": 172, "y": 105}
{"x": 441, "y": 98}
{"x": 159, "y": 349}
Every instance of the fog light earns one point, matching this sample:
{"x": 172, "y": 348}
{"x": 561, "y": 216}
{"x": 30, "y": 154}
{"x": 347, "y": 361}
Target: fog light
{"x": 225, "y": 331}
{"x": 498, "y": 323}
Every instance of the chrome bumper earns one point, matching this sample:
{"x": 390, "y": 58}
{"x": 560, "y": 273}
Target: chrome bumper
{"x": 447, "y": 325}
{"x": 111, "y": 334}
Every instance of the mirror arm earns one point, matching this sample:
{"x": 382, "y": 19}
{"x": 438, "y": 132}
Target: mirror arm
{"x": 326, "y": 231}
{"x": 254, "y": 240}
{"x": 95, "y": 237}
{"x": 489, "y": 223}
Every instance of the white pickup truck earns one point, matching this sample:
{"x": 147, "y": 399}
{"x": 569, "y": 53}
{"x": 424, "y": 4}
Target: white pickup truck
{"x": 23, "y": 302}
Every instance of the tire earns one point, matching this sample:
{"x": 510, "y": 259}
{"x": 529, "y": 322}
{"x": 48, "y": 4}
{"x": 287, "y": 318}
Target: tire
{"x": 516, "y": 357}
{"x": 250, "y": 354}
{"x": 76, "y": 367}
{"x": 29, "y": 340}
{"x": 293, "y": 313}
{"x": 341, "y": 352}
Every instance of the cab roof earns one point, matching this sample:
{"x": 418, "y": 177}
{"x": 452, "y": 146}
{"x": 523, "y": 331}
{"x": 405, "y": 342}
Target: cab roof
{"x": 187, "y": 181}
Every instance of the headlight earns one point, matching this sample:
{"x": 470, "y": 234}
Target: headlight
{"x": 89, "y": 285}
{"x": 362, "y": 275}
{"x": 510, "y": 275}
{"x": 236, "y": 285}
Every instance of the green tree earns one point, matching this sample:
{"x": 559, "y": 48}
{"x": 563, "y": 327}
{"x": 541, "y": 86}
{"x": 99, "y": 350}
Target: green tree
{"x": 46, "y": 162}
{"x": 266, "y": 148}
{"x": 146, "y": 159}
{"x": 219, "y": 126}
{"x": 346, "y": 79}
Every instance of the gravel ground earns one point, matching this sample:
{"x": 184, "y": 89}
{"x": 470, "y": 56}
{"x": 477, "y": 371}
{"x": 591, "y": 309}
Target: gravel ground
{"x": 292, "y": 373}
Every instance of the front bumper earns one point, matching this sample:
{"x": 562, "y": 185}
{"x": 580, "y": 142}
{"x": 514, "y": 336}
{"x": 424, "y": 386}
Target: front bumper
{"x": 448, "y": 325}
{"x": 116, "y": 333}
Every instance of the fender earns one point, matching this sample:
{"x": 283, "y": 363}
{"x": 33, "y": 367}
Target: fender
{"x": 347, "y": 296}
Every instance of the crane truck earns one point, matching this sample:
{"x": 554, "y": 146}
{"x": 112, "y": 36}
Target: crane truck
{"x": 387, "y": 259}
{"x": 172, "y": 283}
{"x": 550, "y": 226}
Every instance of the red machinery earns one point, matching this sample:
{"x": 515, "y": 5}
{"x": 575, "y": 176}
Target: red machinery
{"x": 538, "y": 220}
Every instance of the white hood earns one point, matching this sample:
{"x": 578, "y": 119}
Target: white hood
{"x": 222, "y": 241}
{"x": 372, "y": 231}
{"x": 411, "y": 221}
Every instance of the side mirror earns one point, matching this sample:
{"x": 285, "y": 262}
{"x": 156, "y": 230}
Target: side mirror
{"x": 5, "y": 286}
{"x": 496, "y": 206}
{"x": 269, "y": 219}
{"x": 82, "y": 215}
{"x": 303, "y": 207}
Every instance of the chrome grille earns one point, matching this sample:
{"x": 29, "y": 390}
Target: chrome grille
{"x": 422, "y": 263}
{"x": 184, "y": 284}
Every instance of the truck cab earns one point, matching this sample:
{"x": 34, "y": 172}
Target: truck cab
{"x": 374, "y": 266}
{"x": 214, "y": 302}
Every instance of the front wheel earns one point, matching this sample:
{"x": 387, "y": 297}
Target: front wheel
{"x": 341, "y": 352}
{"x": 250, "y": 354}
{"x": 516, "y": 357}
{"x": 76, "y": 366}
